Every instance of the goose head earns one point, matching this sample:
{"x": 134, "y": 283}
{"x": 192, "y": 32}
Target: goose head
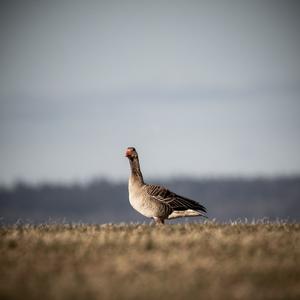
{"x": 131, "y": 153}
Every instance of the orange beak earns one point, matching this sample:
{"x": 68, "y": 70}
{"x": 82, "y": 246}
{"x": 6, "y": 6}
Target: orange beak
{"x": 128, "y": 152}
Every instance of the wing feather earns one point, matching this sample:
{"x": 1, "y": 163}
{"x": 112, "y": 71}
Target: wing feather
{"x": 174, "y": 201}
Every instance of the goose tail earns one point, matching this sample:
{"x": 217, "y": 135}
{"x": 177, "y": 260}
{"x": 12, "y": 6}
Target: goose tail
{"x": 186, "y": 213}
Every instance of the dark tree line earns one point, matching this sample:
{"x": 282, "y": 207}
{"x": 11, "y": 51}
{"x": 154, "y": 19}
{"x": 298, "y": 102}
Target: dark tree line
{"x": 102, "y": 201}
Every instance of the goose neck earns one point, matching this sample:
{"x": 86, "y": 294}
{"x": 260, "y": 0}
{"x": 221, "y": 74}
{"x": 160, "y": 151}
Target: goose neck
{"x": 136, "y": 170}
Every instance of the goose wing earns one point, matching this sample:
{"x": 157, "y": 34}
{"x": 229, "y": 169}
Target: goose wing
{"x": 172, "y": 200}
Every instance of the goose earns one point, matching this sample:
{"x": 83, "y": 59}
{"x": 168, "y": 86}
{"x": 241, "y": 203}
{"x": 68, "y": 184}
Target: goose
{"x": 155, "y": 201}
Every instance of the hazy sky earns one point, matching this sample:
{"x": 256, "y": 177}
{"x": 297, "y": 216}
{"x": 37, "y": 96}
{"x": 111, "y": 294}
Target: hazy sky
{"x": 199, "y": 87}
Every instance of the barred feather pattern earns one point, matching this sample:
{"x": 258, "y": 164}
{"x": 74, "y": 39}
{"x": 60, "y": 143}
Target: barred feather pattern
{"x": 172, "y": 200}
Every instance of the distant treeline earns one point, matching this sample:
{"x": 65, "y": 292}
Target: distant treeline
{"x": 102, "y": 201}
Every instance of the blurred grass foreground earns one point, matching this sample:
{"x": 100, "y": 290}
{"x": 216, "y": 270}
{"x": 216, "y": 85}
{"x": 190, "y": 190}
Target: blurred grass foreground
{"x": 258, "y": 260}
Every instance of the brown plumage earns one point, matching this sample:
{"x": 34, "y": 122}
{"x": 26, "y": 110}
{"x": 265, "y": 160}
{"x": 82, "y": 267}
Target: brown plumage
{"x": 155, "y": 201}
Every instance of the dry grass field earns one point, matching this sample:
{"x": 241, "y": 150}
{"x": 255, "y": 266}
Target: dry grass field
{"x": 187, "y": 261}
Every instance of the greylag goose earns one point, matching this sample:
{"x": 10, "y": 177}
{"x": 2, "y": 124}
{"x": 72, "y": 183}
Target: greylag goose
{"x": 155, "y": 201}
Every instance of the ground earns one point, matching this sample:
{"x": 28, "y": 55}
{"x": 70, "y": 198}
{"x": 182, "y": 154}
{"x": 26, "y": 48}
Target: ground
{"x": 179, "y": 261}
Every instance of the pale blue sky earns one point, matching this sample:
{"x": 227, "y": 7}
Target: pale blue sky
{"x": 200, "y": 88}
